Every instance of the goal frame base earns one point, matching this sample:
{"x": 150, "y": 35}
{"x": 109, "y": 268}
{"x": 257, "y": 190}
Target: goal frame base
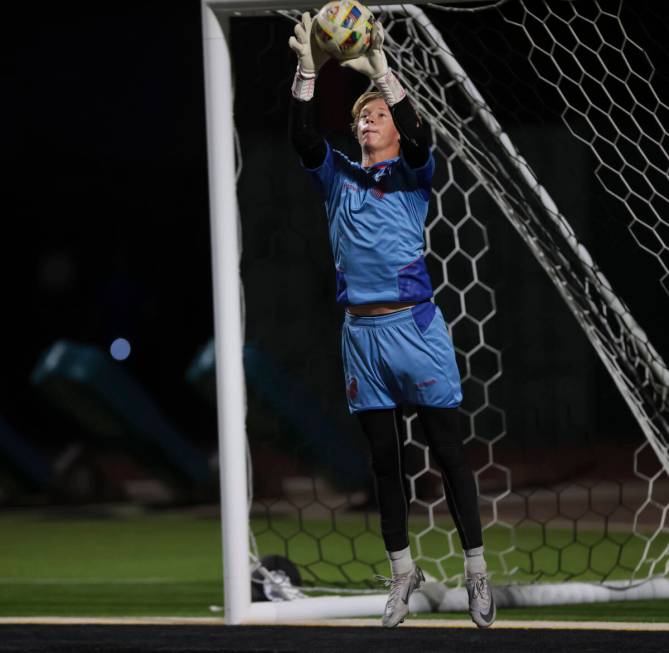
{"x": 435, "y": 597}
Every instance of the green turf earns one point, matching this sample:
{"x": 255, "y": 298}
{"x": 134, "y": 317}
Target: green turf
{"x": 353, "y": 552}
{"x": 638, "y": 611}
{"x": 163, "y": 565}
{"x": 170, "y": 564}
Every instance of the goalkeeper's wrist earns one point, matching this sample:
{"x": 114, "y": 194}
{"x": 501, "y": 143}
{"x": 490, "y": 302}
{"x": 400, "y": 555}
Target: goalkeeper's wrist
{"x": 390, "y": 86}
{"x": 304, "y": 85}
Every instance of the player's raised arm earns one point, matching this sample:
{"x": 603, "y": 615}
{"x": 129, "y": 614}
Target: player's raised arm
{"x": 414, "y": 133}
{"x": 310, "y": 58}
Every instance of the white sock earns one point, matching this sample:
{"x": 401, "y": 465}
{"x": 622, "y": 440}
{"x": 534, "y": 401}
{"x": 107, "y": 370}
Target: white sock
{"x": 474, "y": 561}
{"x": 400, "y": 561}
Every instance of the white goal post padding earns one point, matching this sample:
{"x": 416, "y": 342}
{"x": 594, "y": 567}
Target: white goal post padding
{"x": 229, "y": 341}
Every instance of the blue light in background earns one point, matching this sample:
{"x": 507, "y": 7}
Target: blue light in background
{"x": 120, "y": 349}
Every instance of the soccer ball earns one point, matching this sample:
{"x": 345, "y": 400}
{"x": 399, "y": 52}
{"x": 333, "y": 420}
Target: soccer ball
{"x": 343, "y": 29}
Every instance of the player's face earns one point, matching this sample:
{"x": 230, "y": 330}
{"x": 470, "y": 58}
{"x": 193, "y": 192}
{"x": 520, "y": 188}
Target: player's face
{"x": 376, "y": 129}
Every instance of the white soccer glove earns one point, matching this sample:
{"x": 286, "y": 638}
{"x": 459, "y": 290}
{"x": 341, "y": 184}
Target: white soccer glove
{"x": 375, "y": 65}
{"x": 310, "y": 59}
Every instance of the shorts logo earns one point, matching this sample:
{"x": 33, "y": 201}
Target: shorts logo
{"x": 352, "y": 389}
{"x": 426, "y": 384}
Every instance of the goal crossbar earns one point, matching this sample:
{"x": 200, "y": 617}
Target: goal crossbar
{"x": 230, "y": 7}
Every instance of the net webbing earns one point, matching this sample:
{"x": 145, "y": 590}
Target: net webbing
{"x": 471, "y": 130}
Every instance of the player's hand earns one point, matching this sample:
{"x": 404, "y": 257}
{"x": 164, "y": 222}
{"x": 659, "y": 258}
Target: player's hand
{"x": 373, "y": 63}
{"x": 310, "y": 57}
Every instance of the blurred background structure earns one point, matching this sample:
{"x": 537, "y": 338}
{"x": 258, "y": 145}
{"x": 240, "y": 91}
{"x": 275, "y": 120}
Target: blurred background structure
{"x": 106, "y": 211}
{"x": 107, "y": 238}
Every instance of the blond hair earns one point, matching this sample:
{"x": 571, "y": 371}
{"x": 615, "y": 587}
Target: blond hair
{"x": 359, "y": 105}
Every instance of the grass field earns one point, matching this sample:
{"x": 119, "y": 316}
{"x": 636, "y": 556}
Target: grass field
{"x": 353, "y": 551}
{"x": 170, "y": 564}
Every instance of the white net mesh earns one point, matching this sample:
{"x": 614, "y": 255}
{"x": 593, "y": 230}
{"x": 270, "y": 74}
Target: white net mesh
{"x": 605, "y": 80}
{"x": 605, "y": 523}
{"x": 636, "y": 367}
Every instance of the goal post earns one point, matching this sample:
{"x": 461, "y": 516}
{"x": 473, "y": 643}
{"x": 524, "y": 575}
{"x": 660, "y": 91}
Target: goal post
{"x": 466, "y": 134}
{"x": 225, "y": 256}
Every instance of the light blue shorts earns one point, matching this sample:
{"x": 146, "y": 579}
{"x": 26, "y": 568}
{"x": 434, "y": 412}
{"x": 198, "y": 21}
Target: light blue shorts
{"x": 406, "y": 357}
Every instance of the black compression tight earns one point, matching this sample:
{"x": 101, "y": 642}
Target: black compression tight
{"x": 442, "y": 431}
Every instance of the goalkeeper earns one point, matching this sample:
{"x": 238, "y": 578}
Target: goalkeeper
{"x": 395, "y": 345}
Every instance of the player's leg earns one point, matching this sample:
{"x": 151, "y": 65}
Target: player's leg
{"x": 425, "y": 368}
{"x": 442, "y": 431}
{"x": 383, "y": 432}
{"x": 386, "y": 449}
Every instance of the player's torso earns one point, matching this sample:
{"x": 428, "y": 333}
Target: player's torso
{"x": 376, "y": 221}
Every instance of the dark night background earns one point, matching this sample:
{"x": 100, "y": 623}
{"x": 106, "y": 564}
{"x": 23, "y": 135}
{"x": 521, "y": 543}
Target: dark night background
{"x": 106, "y": 211}
{"x": 106, "y": 226}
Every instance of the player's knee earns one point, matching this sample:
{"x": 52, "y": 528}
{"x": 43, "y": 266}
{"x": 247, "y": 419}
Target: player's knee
{"x": 450, "y": 456}
{"x": 385, "y": 467}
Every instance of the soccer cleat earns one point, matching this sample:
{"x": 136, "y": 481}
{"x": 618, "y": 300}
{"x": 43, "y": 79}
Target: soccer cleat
{"x": 401, "y": 587}
{"x": 481, "y": 603}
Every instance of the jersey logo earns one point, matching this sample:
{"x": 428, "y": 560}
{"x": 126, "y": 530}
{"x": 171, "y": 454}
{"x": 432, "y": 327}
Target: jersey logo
{"x": 377, "y": 193}
{"x": 425, "y": 384}
{"x": 352, "y": 390}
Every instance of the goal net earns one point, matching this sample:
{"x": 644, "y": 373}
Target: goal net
{"x": 550, "y": 141}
